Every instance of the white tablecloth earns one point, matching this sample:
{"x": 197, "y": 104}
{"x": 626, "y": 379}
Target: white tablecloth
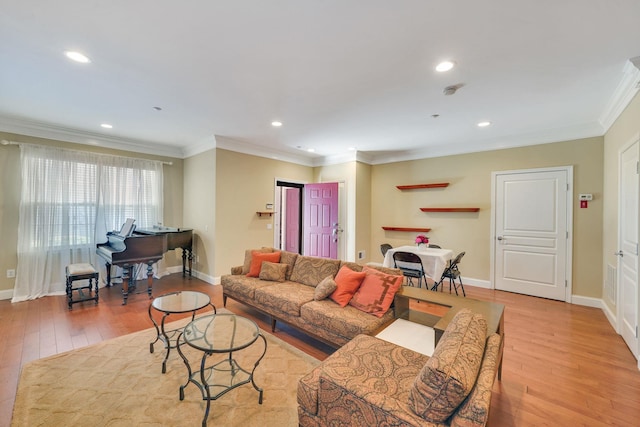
{"x": 434, "y": 260}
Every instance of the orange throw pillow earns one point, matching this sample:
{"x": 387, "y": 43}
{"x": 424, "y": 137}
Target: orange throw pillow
{"x": 348, "y": 282}
{"x": 256, "y": 261}
{"x": 377, "y": 291}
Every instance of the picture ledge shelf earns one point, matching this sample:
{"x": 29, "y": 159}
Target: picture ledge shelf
{"x": 417, "y": 186}
{"x": 425, "y": 230}
{"x": 260, "y": 213}
{"x": 449, "y": 209}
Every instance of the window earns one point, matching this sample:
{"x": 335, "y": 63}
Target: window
{"x": 69, "y": 201}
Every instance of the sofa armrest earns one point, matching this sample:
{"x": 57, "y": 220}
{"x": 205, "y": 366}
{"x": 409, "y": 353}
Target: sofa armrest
{"x": 235, "y": 271}
{"x": 474, "y": 410}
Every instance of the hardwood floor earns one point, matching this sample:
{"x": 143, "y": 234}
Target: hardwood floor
{"x": 563, "y": 364}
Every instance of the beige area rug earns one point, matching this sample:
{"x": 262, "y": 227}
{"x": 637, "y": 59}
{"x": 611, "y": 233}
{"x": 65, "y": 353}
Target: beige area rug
{"x": 119, "y": 383}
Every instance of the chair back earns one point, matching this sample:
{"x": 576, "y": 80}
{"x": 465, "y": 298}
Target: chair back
{"x": 384, "y": 248}
{"x": 406, "y": 257}
{"x": 431, "y": 245}
{"x": 456, "y": 260}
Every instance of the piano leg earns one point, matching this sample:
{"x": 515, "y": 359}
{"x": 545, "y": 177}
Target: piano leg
{"x": 125, "y": 282}
{"x": 149, "y": 279}
{"x": 108, "y": 282}
{"x": 187, "y": 254}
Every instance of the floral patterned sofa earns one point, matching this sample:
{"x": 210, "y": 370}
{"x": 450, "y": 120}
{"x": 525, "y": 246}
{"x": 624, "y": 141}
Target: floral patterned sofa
{"x": 288, "y": 289}
{"x": 370, "y": 382}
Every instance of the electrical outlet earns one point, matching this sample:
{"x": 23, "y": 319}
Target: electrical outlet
{"x": 361, "y": 255}
{"x": 11, "y": 273}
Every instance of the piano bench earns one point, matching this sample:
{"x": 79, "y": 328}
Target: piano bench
{"x": 83, "y": 271}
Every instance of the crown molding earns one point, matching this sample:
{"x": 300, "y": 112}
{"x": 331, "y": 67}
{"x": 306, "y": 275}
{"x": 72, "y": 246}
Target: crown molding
{"x": 547, "y": 136}
{"x": 200, "y": 147}
{"x": 60, "y": 133}
{"x": 627, "y": 88}
{"x": 239, "y": 146}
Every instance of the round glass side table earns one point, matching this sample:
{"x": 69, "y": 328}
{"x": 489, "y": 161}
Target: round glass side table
{"x": 173, "y": 303}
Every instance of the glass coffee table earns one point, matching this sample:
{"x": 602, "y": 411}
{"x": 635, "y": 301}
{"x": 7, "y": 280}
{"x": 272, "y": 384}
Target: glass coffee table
{"x": 173, "y": 303}
{"x": 220, "y": 334}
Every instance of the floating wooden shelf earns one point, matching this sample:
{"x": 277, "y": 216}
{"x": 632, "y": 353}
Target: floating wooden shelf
{"x": 425, "y": 230}
{"x": 416, "y": 186}
{"x": 449, "y": 209}
{"x": 260, "y": 213}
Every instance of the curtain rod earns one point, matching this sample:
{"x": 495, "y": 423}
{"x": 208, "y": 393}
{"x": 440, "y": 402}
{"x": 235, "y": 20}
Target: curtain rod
{"x": 6, "y": 142}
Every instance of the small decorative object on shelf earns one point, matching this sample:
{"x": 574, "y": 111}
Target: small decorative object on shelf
{"x": 421, "y": 239}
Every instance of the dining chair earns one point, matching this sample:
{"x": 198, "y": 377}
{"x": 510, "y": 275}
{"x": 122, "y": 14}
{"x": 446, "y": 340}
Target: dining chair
{"x": 452, "y": 272}
{"x": 411, "y": 266}
{"x": 384, "y": 248}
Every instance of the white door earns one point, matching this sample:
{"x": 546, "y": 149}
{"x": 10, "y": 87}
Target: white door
{"x": 628, "y": 244}
{"x": 531, "y": 222}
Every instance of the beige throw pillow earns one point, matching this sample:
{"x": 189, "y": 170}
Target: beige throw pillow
{"x": 273, "y": 271}
{"x": 324, "y": 288}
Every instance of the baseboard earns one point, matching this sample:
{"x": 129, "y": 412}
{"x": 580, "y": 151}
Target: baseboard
{"x": 611, "y": 316}
{"x": 477, "y": 282}
{"x": 6, "y": 294}
{"x": 587, "y": 301}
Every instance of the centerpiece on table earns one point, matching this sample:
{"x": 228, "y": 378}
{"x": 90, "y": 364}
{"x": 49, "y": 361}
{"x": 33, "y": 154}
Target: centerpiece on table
{"x": 422, "y": 241}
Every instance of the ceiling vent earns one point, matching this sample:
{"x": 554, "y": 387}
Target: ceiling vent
{"x": 450, "y": 90}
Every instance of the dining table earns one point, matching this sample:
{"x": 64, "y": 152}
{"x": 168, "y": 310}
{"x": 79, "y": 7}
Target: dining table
{"x": 434, "y": 260}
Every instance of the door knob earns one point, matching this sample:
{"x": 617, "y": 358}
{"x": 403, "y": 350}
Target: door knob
{"x": 619, "y": 253}
{"x": 499, "y": 237}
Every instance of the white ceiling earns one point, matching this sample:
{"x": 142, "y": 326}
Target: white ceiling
{"x": 337, "y": 73}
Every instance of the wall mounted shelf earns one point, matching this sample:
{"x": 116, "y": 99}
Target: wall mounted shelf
{"x": 449, "y": 209}
{"x": 424, "y": 230}
{"x": 260, "y": 213}
{"x": 418, "y": 186}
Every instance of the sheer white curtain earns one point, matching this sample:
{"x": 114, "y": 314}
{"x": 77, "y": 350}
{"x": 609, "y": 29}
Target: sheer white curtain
{"x": 69, "y": 199}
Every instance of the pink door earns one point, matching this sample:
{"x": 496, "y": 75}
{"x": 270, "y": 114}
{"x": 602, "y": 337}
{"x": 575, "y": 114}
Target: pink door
{"x": 292, "y": 218}
{"x": 321, "y": 220}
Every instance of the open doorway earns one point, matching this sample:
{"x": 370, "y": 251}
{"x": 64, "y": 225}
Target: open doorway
{"x": 288, "y": 221}
{"x": 308, "y": 218}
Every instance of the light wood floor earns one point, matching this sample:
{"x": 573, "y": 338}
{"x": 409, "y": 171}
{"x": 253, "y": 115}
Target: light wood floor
{"x": 563, "y": 364}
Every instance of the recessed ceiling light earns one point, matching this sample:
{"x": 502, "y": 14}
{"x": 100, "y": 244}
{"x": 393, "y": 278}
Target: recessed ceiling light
{"x": 351, "y": 148}
{"x": 276, "y": 124}
{"x": 484, "y": 124}
{"x": 445, "y": 66}
{"x": 157, "y": 108}
{"x": 106, "y": 126}
{"x": 77, "y": 56}
{"x": 311, "y": 150}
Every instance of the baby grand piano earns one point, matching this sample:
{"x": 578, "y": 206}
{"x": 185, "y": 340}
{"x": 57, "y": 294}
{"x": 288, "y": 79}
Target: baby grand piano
{"x": 127, "y": 248}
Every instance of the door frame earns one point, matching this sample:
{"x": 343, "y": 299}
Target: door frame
{"x": 343, "y": 219}
{"x": 569, "y": 251}
{"x": 619, "y": 314}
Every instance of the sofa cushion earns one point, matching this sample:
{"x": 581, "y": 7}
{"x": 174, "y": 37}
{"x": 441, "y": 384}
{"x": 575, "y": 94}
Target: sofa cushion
{"x": 273, "y": 271}
{"x": 241, "y": 286}
{"x": 342, "y": 321}
{"x": 324, "y": 288}
{"x": 285, "y": 297}
{"x": 288, "y": 258}
{"x": 247, "y": 258}
{"x": 348, "y": 282}
{"x": 366, "y": 382}
{"x": 449, "y": 375}
{"x": 376, "y": 292}
{"x": 311, "y": 270}
{"x": 257, "y": 258}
